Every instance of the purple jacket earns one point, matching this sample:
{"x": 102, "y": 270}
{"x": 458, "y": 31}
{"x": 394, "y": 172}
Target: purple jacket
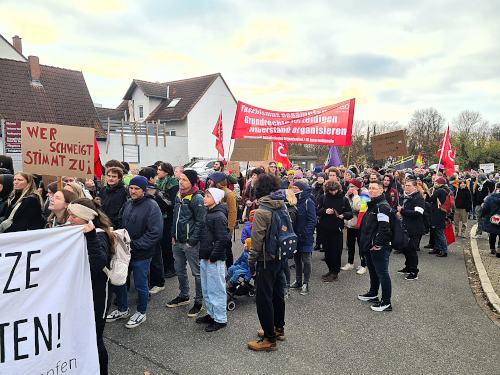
{"x": 246, "y": 232}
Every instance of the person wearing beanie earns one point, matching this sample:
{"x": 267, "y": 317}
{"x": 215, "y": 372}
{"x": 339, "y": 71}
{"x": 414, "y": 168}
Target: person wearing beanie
{"x": 438, "y": 217}
{"x": 297, "y": 175}
{"x": 142, "y": 219}
{"x": 219, "y": 180}
{"x": 187, "y": 231}
{"x": 212, "y": 261}
{"x": 353, "y": 233}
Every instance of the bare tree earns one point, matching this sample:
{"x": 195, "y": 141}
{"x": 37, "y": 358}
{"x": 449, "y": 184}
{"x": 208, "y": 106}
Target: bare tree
{"x": 424, "y": 132}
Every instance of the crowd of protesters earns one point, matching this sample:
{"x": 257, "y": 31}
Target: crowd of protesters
{"x": 175, "y": 219}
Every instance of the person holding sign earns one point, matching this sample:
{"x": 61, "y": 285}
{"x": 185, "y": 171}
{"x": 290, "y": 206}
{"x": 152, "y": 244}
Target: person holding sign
{"x": 24, "y": 206}
{"x": 99, "y": 246}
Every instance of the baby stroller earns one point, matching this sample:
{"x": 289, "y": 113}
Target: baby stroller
{"x": 244, "y": 288}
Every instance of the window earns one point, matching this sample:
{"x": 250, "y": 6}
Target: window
{"x": 173, "y": 103}
{"x": 172, "y": 133}
{"x": 141, "y": 111}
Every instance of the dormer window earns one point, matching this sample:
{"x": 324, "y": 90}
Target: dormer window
{"x": 173, "y": 103}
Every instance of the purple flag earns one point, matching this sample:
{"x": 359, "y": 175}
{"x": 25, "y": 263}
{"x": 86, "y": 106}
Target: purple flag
{"x": 333, "y": 159}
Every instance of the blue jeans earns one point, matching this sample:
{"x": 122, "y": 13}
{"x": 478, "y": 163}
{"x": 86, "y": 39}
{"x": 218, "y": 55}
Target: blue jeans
{"x": 441, "y": 244}
{"x": 140, "y": 270}
{"x": 213, "y": 284}
{"x": 378, "y": 267}
{"x": 234, "y": 272}
{"x": 187, "y": 254}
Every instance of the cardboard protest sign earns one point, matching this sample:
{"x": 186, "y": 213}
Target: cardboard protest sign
{"x": 389, "y": 144}
{"x": 57, "y": 150}
{"x": 251, "y": 149}
{"x": 330, "y": 125}
{"x": 47, "y": 321}
{"x": 487, "y": 167}
{"x": 233, "y": 166}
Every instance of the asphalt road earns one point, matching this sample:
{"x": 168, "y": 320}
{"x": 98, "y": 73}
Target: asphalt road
{"x": 436, "y": 327}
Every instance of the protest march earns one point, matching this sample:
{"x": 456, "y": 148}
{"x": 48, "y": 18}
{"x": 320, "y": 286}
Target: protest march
{"x": 185, "y": 197}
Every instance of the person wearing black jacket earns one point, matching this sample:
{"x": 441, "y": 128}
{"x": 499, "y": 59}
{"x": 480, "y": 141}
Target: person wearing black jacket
{"x": 99, "y": 247}
{"x": 6, "y": 187}
{"x": 463, "y": 204}
{"x": 212, "y": 260}
{"x": 114, "y": 195}
{"x": 317, "y": 192}
{"x": 412, "y": 213}
{"x": 375, "y": 243}
{"x": 141, "y": 217}
{"x": 333, "y": 208}
{"x": 438, "y": 217}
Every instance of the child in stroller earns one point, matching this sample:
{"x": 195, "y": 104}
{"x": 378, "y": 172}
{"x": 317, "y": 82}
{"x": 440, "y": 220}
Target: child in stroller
{"x": 239, "y": 278}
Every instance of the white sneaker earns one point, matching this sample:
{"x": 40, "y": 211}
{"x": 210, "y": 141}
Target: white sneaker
{"x": 347, "y": 267}
{"x": 361, "y": 270}
{"x": 136, "y": 320}
{"x": 156, "y": 289}
{"x": 117, "y": 314}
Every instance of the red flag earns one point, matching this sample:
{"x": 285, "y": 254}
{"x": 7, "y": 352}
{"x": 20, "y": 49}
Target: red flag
{"x": 280, "y": 153}
{"x": 219, "y": 136}
{"x": 97, "y": 160}
{"x": 446, "y": 154}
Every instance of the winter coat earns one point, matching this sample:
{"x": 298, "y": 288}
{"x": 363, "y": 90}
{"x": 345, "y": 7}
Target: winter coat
{"x": 112, "y": 200}
{"x": 98, "y": 249}
{"x": 143, "y": 220}
{"x": 355, "y": 203}
{"x": 169, "y": 188}
{"x": 413, "y": 214}
{"x": 189, "y": 218}
{"x": 28, "y": 216}
{"x": 480, "y": 192}
{"x": 215, "y": 235}
{"x": 317, "y": 191}
{"x": 261, "y": 224}
{"x": 242, "y": 263}
{"x": 463, "y": 199}
{"x": 340, "y": 204}
{"x": 491, "y": 207}
{"x": 306, "y": 221}
{"x": 375, "y": 226}
{"x": 392, "y": 197}
{"x": 246, "y": 232}
{"x": 232, "y": 209}
{"x": 438, "y": 216}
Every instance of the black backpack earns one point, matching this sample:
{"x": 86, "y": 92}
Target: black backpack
{"x": 400, "y": 238}
{"x": 281, "y": 240}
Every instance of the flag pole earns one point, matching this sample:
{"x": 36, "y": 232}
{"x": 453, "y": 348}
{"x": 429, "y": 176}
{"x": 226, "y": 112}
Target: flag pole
{"x": 442, "y": 147}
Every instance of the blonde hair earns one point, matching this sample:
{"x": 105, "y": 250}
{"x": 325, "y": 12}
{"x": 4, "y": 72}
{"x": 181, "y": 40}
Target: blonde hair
{"x": 77, "y": 189}
{"x": 290, "y": 197}
{"x": 30, "y": 189}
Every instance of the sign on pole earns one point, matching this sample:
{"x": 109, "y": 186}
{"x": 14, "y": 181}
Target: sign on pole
{"x": 12, "y": 137}
{"x": 57, "y": 150}
{"x": 488, "y": 167}
{"x": 47, "y": 322}
{"x": 389, "y": 144}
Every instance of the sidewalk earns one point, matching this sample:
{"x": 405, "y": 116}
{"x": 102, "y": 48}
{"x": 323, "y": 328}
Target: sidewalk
{"x": 491, "y": 265}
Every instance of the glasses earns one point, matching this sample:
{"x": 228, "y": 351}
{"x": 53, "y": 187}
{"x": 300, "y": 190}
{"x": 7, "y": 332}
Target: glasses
{"x": 272, "y": 166}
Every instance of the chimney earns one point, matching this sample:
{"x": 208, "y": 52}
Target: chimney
{"x": 168, "y": 92}
{"x": 34, "y": 65}
{"x": 17, "y": 43}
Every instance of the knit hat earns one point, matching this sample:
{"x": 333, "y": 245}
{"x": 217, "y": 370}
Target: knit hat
{"x": 356, "y": 183}
{"x": 298, "y": 174}
{"x": 322, "y": 174}
{"x": 139, "y": 181}
{"x": 191, "y": 175}
{"x": 217, "y": 177}
{"x": 440, "y": 181}
{"x": 217, "y": 194}
{"x": 250, "y": 215}
{"x": 353, "y": 175}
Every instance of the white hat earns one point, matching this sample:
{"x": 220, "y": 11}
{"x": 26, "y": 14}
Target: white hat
{"x": 217, "y": 194}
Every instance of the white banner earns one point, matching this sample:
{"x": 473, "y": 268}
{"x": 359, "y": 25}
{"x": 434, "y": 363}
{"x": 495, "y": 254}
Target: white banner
{"x": 488, "y": 167}
{"x": 46, "y": 310}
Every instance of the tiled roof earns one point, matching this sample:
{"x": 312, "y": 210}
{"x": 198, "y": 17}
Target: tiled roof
{"x": 114, "y": 114}
{"x": 189, "y": 91}
{"x": 63, "y": 97}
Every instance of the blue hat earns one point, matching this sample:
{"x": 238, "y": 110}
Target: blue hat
{"x": 139, "y": 181}
{"x": 217, "y": 177}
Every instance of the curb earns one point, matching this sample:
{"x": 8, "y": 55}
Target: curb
{"x": 493, "y": 298}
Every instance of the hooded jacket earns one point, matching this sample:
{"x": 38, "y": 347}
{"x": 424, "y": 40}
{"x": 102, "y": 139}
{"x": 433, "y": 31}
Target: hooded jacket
{"x": 143, "y": 220}
{"x": 261, "y": 224}
{"x": 215, "y": 235}
{"x": 375, "y": 225}
{"x": 306, "y": 219}
{"x": 189, "y": 218}
{"x": 112, "y": 199}
{"x": 491, "y": 207}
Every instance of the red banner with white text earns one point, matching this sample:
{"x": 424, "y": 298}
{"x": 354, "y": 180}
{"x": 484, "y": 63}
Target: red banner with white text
{"x": 330, "y": 125}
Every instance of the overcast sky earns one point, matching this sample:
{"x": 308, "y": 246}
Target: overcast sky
{"x": 392, "y": 56}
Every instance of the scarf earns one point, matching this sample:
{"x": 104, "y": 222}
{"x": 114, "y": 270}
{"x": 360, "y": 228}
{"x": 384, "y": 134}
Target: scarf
{"x": 183, "y": 194}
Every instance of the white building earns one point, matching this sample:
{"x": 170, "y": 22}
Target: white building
{"x": 12, "y": 51}
{"x": 170, "y": 121}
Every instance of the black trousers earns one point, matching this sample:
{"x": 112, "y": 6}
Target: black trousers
{"x": 432, "y": 237}
{"x": 166, "y": 245}
{"x": 353, "y": 236}
{"x": 270, "y": 296}
{"x": 229, "y": 254}
{"x": 333, "y": 242}
{"x": 410, "y": 253}
{"x": 156, "y": 272}
{"x": 492, "y": 238}
{"x": 100, "y": 303}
